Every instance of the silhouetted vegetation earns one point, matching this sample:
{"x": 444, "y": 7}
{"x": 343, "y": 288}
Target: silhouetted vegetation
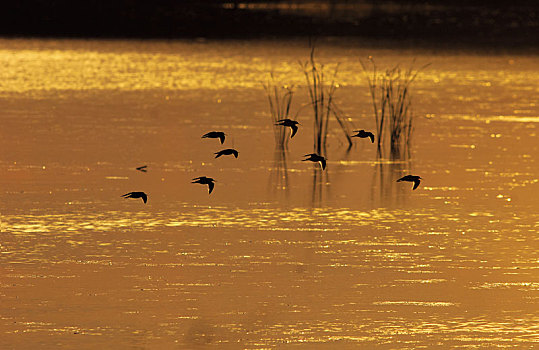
{"x": 392, "y": 107}
{"x": 280, "y": 99}
{"x": 321, "y": 92}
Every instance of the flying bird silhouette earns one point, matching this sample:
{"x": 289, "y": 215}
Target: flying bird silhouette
{"x": 290, "y": 123}
{"x": 411, "y": 178}
{"x": 203, "y": 180}
{"x": 313, "y": 157}
{"x": 136, "y": 195}
{"x": 143, "y": 168}
{"x": 363, "y": 134}
{"x": 226, "y": 152}
{"x": 215, "y": 135}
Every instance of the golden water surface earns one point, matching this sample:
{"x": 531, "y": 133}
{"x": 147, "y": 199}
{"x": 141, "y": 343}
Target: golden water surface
{"x": 280, "y": 255}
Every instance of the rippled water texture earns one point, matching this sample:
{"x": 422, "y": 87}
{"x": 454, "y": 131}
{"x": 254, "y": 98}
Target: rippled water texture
{"x": 280, "y": 255}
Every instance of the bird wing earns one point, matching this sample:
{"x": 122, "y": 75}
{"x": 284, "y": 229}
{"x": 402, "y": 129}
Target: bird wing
{"x": 416, "y": 184}
{"x": 210, "y": 187}
{"x": 235, "y": 153}
{"x": 294, "y": 130}
{"x": 323, "y": 163}
{"x": 144, "y": 197}
{"x": 222, "y": 138}
{"x": 371, "y": 136}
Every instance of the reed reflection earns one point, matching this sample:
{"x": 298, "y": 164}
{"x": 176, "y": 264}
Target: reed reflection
{"x": 320, "y": 187}
{"x": 384, "y": 191}
{"x": 278, "y": 184}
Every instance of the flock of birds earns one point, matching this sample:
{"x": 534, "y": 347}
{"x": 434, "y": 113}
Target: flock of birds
{"x": 293, "y": 125}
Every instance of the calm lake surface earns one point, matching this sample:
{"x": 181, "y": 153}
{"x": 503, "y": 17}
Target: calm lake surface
{"x": 280, "y": 255}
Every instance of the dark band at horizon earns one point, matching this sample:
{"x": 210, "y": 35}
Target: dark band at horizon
{"x": 474, "y": 22}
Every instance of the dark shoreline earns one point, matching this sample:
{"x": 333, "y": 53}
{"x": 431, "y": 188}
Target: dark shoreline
{"x": 483, "y": 26}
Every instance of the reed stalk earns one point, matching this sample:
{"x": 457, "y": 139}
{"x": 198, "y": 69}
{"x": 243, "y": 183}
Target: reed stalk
{"x": 392, "y": 108}
{"x": 321, "y": 93}
{"x": 280, "y": 100}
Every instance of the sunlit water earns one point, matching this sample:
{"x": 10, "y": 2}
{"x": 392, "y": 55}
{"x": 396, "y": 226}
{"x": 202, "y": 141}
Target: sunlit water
{"x": 280, "y": 255}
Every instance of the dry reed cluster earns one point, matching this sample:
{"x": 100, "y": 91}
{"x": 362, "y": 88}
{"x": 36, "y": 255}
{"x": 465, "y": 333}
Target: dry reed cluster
{"x": 280, "y": 100}
{"x": 392, "y": 107}
{"x": 321, "y": 92}
{"x": 391, "y": 102}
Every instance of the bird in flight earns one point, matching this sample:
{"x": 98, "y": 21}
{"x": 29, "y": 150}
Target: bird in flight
{"x": 215, "y": 135}
{"x": 143, "y": 168}
{"x": 363, "y": 134}
{"x": 290, "y": 123}
{"x": 411, "y": 178}
{"x": 136, "y": 195}
{"x": 226, "y": 152}
{"x": 313, "y": 157}
{"x": 203, "y": 180}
